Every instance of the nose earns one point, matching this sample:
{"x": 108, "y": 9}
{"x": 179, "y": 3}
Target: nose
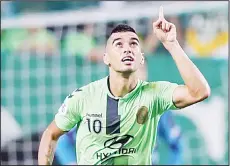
{"x": 127, "y": 50}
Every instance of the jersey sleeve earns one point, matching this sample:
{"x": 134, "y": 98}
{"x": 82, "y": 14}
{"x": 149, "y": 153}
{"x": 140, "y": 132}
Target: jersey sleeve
{"x": 69, "y": 114}
{"x": 165, "y": 96}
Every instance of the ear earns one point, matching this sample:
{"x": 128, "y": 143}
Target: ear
{"x": 143, "y": 59}
{"x": 106, "y": 59}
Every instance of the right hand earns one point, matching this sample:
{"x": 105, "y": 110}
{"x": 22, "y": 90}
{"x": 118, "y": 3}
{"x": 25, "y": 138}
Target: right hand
{"x": 164, "y": 30}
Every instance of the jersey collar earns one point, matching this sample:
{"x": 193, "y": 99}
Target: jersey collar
{"x": 127, "y": 96}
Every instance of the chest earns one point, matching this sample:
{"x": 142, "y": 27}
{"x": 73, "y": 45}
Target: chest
{"x": 108, "y": 116}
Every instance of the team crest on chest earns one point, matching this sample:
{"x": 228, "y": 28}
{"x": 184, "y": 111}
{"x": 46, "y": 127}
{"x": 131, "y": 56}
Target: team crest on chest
{"x": 142, "y": 115}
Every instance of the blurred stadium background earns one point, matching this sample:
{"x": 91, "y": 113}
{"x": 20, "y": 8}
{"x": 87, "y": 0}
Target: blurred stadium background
{"x": 48, "y": 49}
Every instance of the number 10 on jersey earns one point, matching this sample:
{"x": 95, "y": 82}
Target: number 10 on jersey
{"x": 95, "y": 125}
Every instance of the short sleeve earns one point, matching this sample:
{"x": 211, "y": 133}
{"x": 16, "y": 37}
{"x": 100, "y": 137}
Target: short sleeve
{"x": 165, "y": 96}
{"x": 68, "y": 114}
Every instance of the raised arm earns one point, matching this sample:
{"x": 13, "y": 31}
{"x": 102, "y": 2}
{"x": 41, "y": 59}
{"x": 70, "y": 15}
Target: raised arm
{"x": 196, "y": 87}
{"x": 48, "y": 143}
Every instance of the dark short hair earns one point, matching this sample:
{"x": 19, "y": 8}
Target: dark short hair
{"x": 122, "y": 28}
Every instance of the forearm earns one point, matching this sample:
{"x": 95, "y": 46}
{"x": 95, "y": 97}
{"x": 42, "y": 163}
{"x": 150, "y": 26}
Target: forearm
{"x": 46, "y": 149}
{"x": 193, "y": 78}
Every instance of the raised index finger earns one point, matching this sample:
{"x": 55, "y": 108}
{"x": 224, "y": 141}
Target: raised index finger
{"x": 161, "y": 13}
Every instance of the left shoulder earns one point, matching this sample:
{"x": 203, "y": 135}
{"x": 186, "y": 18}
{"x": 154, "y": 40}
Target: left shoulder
{"x": 157, "y": 85}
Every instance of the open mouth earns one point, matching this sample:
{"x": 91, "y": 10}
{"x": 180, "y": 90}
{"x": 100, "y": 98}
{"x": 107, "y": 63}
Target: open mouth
{"x": 127, "y": 59}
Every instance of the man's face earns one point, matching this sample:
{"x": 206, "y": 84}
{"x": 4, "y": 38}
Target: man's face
{"x": 123, "y": 52}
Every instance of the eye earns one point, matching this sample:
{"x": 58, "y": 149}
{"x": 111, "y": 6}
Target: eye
{"x": 134, "y": 43}
{"x": 118, "y": 44}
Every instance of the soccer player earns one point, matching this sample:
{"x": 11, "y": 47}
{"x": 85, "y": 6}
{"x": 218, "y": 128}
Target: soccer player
{"x": 168, "y": 133}
{"x": 118, "y": 115}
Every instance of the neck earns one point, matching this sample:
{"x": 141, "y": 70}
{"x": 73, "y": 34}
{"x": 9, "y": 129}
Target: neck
{"x": 121, "y": 84}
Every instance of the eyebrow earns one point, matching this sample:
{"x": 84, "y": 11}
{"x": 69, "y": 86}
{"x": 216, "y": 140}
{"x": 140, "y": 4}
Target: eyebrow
{"x": 116, "y": 40}
{"x": 133, "y": 38}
